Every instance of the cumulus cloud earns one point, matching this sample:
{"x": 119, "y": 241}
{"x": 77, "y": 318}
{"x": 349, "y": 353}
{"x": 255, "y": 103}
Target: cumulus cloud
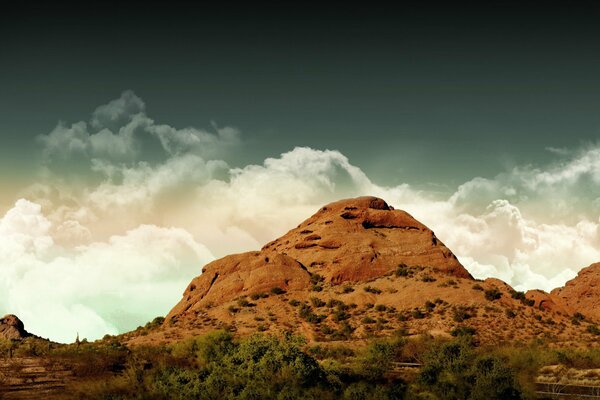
{"x": 114, "y": 251}
{"x": 100, "y": 288}
{"x": 121, "y": 133}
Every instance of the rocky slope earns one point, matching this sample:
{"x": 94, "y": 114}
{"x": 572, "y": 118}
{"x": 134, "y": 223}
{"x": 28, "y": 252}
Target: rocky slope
{"x": 356, "y": 269}
{"x": 582, "y": 293}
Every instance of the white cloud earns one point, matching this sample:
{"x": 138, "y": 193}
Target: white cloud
{"x": 103, "y": 287}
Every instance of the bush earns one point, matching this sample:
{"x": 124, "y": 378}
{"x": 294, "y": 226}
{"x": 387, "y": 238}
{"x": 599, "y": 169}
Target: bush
{"x": 493, "y": 294}
{"x": 347, "y": 289}
{"x": 522, "y": 298}
{"x": 428, "y": 278}
{"x": 463, "y": 331}
{"x": 593, "y": 329}
{"x": 294, "y": 302}
{"x": 317, "y": 302}
{"x": 403, "y": 270}
{"x": 454, "y": 371}
{"x": 380, "y": 307}
{"x": 460, "y": 313}
{"x": 277, "y": 290}
{"x": 370, "y": 289}
{"x": 477, "y": 286}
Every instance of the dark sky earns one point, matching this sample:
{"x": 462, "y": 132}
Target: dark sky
{"x": 417, "y": 94}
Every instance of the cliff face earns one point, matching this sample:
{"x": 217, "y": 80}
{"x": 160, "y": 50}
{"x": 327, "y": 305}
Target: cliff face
{"x": 582, "y": 293}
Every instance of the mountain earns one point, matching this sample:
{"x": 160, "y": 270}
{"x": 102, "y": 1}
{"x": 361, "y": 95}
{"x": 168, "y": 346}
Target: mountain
{"x": 356, "y": 269}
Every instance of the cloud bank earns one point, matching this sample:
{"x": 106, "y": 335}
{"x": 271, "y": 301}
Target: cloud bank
{"x": 127, "y": 211}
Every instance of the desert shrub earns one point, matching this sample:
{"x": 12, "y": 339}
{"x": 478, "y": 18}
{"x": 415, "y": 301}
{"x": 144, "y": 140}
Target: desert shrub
{"x": 510, "y": 313}
{"x": 233, "y": 309}
{"x": 477, "y": 286}
{"x": 277, "y": 290}
{"x": 577, "y": 318}
{"x": 460, "y": 313}
{"x": 256, "y": 296}
{"x": 463, "y": 331}
{"x": 417, "y": 314}
{"x": 245, "y": 303}
{"x": 367, "y": 320}
{"x": 403, "y": 270}
{"x": 593, "y": 329}
{"x": 521, "y": 297}
{"x": 317, "y": 302}
{"x": 294, "y": 303}
{"x": 317, "y": 288}
{"x": 370, "y": 289}
{"x": 340, "y": 315}
{"x": 428, "y": 278}
{"x": 347, "y": 289}
{"x": 429, "y": 306}
{"x": 317, "y": 279}
{"x": 493, "y": 294}
{"x": 380, "y": 307}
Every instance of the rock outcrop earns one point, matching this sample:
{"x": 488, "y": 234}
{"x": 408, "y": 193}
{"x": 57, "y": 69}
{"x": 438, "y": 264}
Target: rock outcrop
{"x": 582, "y": 293}
{"x": 360, "y": 239}
{"x": 350, "y": 240}
{"x": 12, "y": 328}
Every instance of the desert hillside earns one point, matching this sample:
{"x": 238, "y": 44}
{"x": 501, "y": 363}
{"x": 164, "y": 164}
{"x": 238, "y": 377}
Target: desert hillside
{"x": 359, "y": 269}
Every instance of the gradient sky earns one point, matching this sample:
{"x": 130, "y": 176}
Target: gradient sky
{"x": 139, "y": 143}
{"x": 419, "y": 93}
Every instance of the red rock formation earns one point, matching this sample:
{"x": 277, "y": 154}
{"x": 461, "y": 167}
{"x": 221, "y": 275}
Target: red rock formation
{"x": 12, "y": 328}
{"x": 582, "y": 293}
{"x": 363, "y": 238}
{"x": 349, "y": 240}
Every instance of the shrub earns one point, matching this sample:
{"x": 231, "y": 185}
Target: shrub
{"x": 403, "y": 270}
{"x": 370, "y": 289}
{"x": 233, "y": 309}
{"x": 463, "y": 331}
{"x": 317, "y": 288}
{"x": 428, "y": 278}
{"x": 477, "y": 286}
{"x": 380, "y": 307}
{"x": 429, "y": 306}
{"x": 493, "y": 294}
{"x": 368, "y": 320}
{"x": 522, "y": 298}
{"x": 417, "y": 314}
{"x": 347, "y": 289}
{"x": 460, "y": 313}
{"x": 317, "y": 302}
{"x": 277, "y": 290}
{"x": 294, "y": 302}
{"x": 593, "y": 329}
{"x": 454, "y": 371}
{"x": 510, "y": 313}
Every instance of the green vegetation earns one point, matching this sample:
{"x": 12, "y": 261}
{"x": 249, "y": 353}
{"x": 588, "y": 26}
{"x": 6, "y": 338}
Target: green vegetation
{"x": 219, "y": 365}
